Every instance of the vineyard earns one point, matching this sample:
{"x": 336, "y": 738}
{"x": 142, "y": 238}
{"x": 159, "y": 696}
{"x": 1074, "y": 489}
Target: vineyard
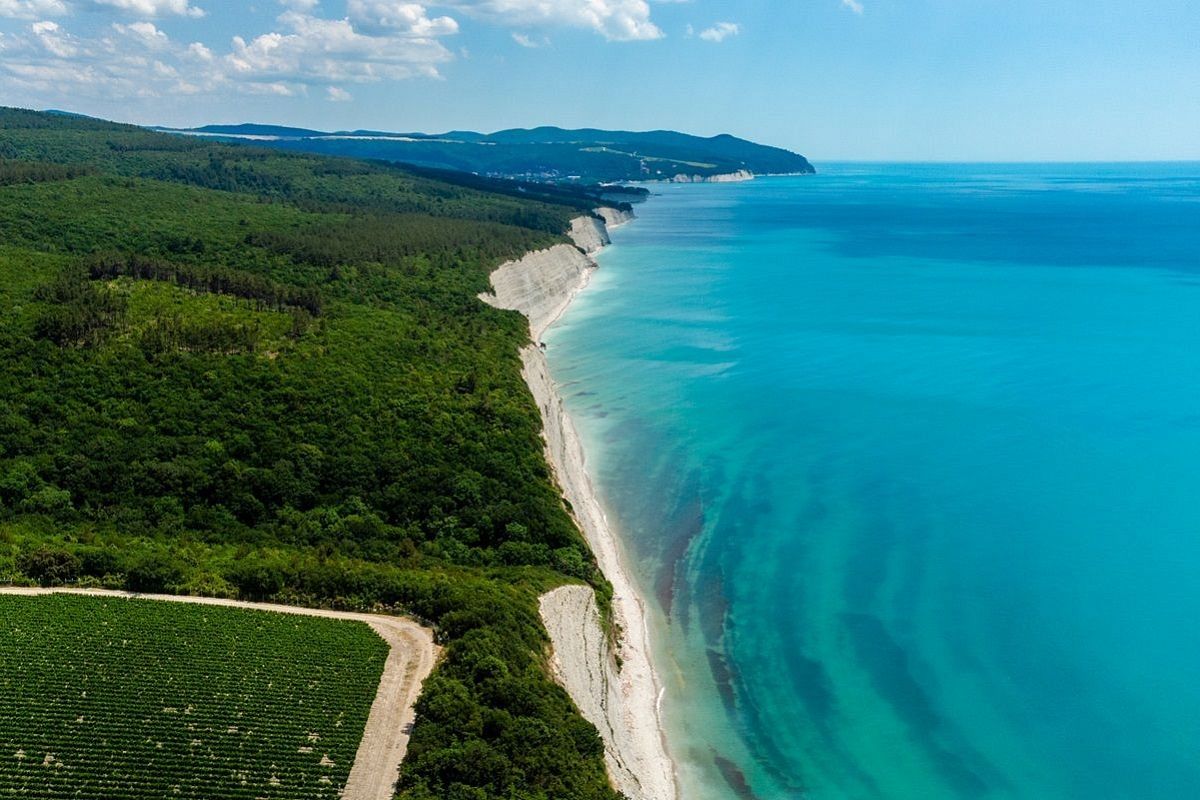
{"x": 114, "y": 699}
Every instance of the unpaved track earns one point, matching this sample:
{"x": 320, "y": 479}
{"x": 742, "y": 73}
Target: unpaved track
{"x": 385, "y": 740}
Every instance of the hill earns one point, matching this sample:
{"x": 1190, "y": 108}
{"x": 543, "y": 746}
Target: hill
{"x": 239, "y": 372}
{"x": 542, "y": 154}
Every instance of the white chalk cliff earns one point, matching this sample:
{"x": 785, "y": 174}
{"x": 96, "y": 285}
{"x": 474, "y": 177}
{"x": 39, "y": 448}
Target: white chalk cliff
{"x": 622, "y": 702}
{"x": 729, "y": 177}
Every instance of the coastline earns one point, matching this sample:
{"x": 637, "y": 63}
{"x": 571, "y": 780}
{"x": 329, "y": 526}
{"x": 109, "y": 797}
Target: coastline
{"x": 741, "y": 176}
{"x": 615, "y": 688}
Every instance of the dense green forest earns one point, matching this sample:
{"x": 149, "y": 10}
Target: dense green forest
{"x": 242, "y": 372}
{"x": 586, "y": 156}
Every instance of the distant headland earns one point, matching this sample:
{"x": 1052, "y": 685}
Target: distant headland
{"x": 540, "y": 154}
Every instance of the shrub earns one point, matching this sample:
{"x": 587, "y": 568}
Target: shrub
{"x": 49, "y": 500}
{"x": 256, "y": 578}
{"x": 156, "y": 572}
{"x": 49, "y": 566}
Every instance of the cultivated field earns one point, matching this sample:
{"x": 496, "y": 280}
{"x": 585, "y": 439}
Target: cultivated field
{"x": 122, "y": 699}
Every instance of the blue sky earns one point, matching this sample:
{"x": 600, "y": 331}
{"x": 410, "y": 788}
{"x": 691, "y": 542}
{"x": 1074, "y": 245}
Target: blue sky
{"x": 833, "y": 79}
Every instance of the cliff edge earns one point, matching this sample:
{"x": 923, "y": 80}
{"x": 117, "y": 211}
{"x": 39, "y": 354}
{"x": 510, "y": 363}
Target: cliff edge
{"x": 621, "y": 701}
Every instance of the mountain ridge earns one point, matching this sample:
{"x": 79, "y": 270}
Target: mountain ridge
{"x": 544, "y": 153}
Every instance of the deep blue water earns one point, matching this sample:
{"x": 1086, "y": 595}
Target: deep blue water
{"x": 908, "y": 459}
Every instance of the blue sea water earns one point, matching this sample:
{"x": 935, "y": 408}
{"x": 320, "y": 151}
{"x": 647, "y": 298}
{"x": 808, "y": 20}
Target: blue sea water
{"x": 907, "y": 459}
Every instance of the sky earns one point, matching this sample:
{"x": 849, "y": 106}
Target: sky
{"x": 925, "y": 80}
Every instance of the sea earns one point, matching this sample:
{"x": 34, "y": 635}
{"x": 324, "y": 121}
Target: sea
{"x": 906, "y": 461}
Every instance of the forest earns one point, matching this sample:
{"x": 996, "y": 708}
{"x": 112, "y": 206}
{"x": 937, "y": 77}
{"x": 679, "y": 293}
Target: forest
{"x": 249, "y": 373}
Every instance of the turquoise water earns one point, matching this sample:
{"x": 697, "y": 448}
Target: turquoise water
{"x": 908, "y": 460}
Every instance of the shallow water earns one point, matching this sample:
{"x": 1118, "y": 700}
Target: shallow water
{"x": 908, "y": 459}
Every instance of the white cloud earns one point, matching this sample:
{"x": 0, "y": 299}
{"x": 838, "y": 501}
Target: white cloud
{"x": 151, "y": 8}
{"x": 125, "y": 61}
{"x": 392, "y": 41}
{"x": 54, "y": 40}
{"x": 853, "y": 5}
{"x": 32, "y": 9}
{"x": 322, "y": 51}
{"x": 41, "y": 9}
{"x": 616, "y": 20}
{"x": 399, "y": 18}
{"x": 375, "y": 40}
{"x": 720, "y": 32}
{"x": 275, "y": 88}
{"x": 336, "y": 94}
{"x": 198, "y": 51}
{"x": 145, "y": 32}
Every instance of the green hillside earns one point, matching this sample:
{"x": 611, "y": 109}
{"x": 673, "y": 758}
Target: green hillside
{"x": 545, "y": 154}
{"x": 241, "y": 372}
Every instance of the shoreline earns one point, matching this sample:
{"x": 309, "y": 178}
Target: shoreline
{"x": 624, "y": 702}
{"x": 741, "y": 176}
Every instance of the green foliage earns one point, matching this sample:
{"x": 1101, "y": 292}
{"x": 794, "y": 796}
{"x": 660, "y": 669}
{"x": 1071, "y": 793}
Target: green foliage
{"x": 154, "y": 572}
{"x": 48, "y": 500}
{"x": 33, "y": 172}
{"x": 236, "y": 371}
{"x": 256, "y": 578}
{"x": 49, "y": 566}
{"x": 18, "y": 478}
{"x": 141, "y": 700}
{"x": 265, "y": 292}
{"x": 76, "y": 313}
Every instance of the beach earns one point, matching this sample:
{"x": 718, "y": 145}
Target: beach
{"x": 614, "y": 685}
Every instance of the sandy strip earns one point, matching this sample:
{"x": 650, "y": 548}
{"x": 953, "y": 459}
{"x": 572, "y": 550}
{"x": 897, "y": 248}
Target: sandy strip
{"x": 385, "y": 740}
{"x": 623, "y": 703}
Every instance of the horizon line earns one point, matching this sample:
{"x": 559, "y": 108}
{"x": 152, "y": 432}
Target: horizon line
{"x": 810, "y": 159}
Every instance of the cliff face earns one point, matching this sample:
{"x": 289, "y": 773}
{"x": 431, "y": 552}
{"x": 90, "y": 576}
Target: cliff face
{"x": 541, "y": 285}
{"x": 621, "y": 701}
{"x": 589, "y": 234}
{"x": 729, "y": 177}
{"x": 614, "y": 217}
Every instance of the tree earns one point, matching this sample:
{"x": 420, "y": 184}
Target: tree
{"x": 49, "y": 500}
{"x": 256, "y": 578}
{"x": 155, "y": 572}
{"x": 49, "y": 566}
